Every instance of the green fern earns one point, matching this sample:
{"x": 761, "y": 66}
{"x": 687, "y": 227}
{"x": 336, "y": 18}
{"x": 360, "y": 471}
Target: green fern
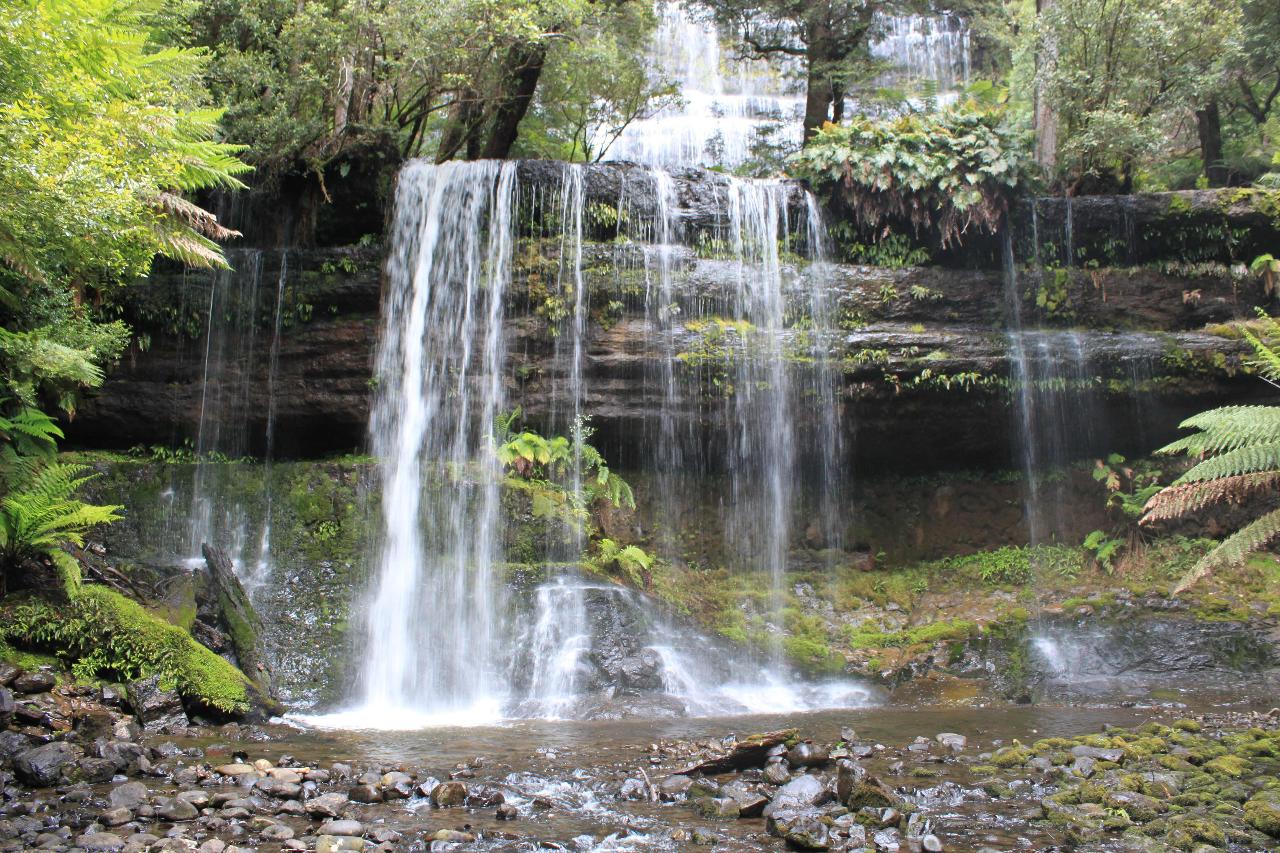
{"x": 633, "y": 560}
{"x": 40, "y": 513}
{"x": 1242, "y": 444}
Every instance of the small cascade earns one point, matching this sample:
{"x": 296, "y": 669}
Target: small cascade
{"x": 261, "y": 572}
{"x": 432, "y": 638}
{"x": 225, "y": 409}
{"x": 729, "y": 105}
{"x": 924, "y": 51}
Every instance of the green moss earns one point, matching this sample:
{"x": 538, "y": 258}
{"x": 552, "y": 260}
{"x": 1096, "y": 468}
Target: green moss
{"x": 1262, "y": 812}
{"x": 103, "y": 633}
{"x": 1228, "y": 765}
{"x": 935, "y": 632}
{"x": 1012, "y": 756}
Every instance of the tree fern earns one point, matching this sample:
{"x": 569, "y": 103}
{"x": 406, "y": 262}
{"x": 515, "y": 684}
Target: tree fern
{"x": 1242, "y": 446}
{"x": 41, "y": 512}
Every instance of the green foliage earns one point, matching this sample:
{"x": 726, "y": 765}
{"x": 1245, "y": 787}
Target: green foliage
{"x": 100, "y": 633}
{"x": 102, "y": 131}
{"x": 941, "y": 173}
{"x": 632, "y": 560}
{"x": 1242, "y": 446}
{"x": 40, "y": 514}
{"x": 532, "y": 456}
{"x": 1104, "y": 548}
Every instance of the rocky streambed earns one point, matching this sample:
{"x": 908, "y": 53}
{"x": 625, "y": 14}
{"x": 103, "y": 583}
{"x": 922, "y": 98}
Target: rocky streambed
{"x": 100, "y": 768}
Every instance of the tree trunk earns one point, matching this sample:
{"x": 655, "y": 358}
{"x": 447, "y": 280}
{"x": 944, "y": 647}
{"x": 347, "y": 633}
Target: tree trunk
{"x": 818, "y": 87}
{"x": 238, "y": 617}
{"x": 462, "y": 129}
{"x": 524, "y": 68}
{"x": 1209, "y": 127}
{"x": 1045, "y": 117}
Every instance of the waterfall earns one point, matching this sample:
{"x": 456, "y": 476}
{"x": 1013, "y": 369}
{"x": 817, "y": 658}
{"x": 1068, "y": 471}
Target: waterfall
{"x": 261, "y": 573}
{"x": 730, "y": 106}
{"x": 432, "y": 634}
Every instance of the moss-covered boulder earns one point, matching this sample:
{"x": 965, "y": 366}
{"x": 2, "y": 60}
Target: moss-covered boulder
{"x": 1262, "y": 812}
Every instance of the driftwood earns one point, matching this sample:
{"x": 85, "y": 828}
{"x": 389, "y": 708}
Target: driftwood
{"x": 749, "y": 752}
{"x": 236, "y": 613}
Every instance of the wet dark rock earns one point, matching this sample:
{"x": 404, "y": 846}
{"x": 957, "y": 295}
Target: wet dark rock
{"x": 848, "y": 775}
{"x": 448, "y": 795}
{"x": 749, "y": 752}
{"x": 365, "y": 794}
{"x": 158, "y": 710}
{"x": 888, "y": 840}
{"x": 776, "y": 773}
{"x": 93, "y": 770}
{"x": 805, "y": 754}
{"x": 8, "y": 672}
{"x": 507, "y": 811}
{"x": 42, "y": 767}
{"x": 750, "y": 803}
{"x": 13, "y": 744}
{"x": 40, "y": 681}
{"x": 485, "y": 797}
{"x": 800, "y": 792}
{"x": 633, "y": 789}
{"x": 279, "y": 788}
{"x": 7, "y": 705}
{"x": 128, "y": 796}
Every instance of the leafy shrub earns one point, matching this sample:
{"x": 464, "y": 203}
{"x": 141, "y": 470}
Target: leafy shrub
{"x": 633, "y": 560}
{"x": 944, "y": 172}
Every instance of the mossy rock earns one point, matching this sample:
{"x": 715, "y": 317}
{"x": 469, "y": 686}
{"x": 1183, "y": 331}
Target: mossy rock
{"x": 1262, "y": 812}
{"x": 1186, "y": 833}
{"x": 1228, "y": 765}
{"x": 1012, "y": 756}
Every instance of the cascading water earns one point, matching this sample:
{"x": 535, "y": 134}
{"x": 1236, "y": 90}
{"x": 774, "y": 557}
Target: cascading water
{"x": 924, "y": 50}
{"x": 433, "y": 649}
{"x": 441, "y": 617}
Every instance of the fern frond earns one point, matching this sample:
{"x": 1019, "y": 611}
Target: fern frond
{"x": 1244, "y": 460}
{"x": 1233, "y": 550}
{"x": 1179, "y": 500}
{"x": 1265, "y": 359}
{"x": 194, "y": 217}
{"x": 1227, "y": 428}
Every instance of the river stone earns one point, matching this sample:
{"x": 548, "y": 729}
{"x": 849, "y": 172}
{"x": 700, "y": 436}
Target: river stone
{"x": 116, "y": 816}
{"x": 485, "y": 797}
{"x": 453, "y": 836}
{"x": 341, "y": 827}
{"x": 339, "y": 844}
{"x": 808, "y": 832}
{"x": 199, "y": 799}
{"x": 13, "y": 744}
{"x": 365, "y": 794}
{"x": 931, "y": 843}
{"x": 277, "y": 832}
{"x": 447, "y": 795}
{"x": 776, "y": 773}
{"x": 507, "y": 811}
{"x": 93, "y": 770}
{"x": 124, "y": 755}
{"x": 801, "y": 791}
{"x": 7, "y": 704}
{"x": 237, "y": 769}
{"x": 326, "y": 805}
{"x": 1139, "y": 807}
{"x": 952, "y": 741}
{"x": 750, "y": 803}
{"x": 176, "y": 810}
{"x": 673, "y": 786}
{"x": 101, "y": 842}
{"x": 888, "y": 840}
{"x": 848, "y": 775}
{"x": 1083, "y": 766}
{"x": 42, "y": 767}
{"x": 807, "y": 755}
{"x": 34, "y": 682}
{"x": 1115, "y": 756}
{"x": 279, "y": 789}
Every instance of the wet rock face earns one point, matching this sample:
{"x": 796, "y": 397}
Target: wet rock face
{"x": 43, "y": 766}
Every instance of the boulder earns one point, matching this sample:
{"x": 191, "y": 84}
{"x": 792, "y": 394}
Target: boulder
{"x": 448, "y": 795}
{"x": 101, "y": 842}
{"x": 807, "y": 755}
{"x": 158, "y": 710}
{"x": 40, "y": 681}
{"x": 43, "y": 766}
{"x": 176, "y": 810}
{"x": 8, "y": 672}
{"x": 871, "y": 792}
{"x": 801, "y": 792}
{"x": 808, "y": 832}
{"x": 341, "y": 827}
{"x": 130, "y": 795}
{"x": 365, "y": 794}
{"x": 326, "y": 805}
{"x": 952, "y": 741}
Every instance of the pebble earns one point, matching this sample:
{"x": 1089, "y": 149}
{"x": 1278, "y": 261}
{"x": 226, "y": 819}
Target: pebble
{"x": 341, "y": 827}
